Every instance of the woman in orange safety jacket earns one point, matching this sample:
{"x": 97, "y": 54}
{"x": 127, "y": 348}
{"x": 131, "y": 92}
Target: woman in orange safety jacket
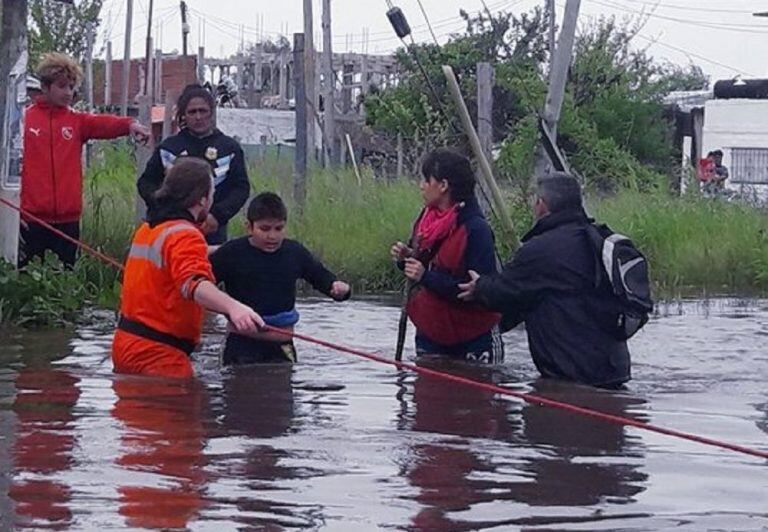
{"x": 168, "y": 281}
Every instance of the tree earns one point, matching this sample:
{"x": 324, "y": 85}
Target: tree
{"x": 55, "y": 26}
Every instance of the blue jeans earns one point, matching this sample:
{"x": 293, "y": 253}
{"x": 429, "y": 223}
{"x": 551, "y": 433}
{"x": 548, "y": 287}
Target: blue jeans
{"x": 487, "y": 348}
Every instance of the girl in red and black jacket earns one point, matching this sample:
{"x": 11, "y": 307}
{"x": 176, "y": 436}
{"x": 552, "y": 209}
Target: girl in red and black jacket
{"x": 52, "y": 174}
{"x": 450, "y": 238}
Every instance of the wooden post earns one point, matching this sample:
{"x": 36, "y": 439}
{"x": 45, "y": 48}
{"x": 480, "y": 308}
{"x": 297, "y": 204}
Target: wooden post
{"x": 13, "y": 68}
{"x": 126, "y": 58}
{"x": 149, "y": 75}
{"x": 201, "y": 65}
{"x": 351, "y": 150}
{"x": 157, "y": 92}
{"x": 486, "y": 173}
{"x": 552, "y": 28}
{"x": 329, "y": 82}
{"x": 309, "y": 75}
{"x": 485, "y": 81}
{"x": 300, "y": 161}
{"x": 89, "y": 36}
{"x": 283, "y": 82}
{"x": 184, "y": 29}
{"x": 143, "y": 153}
{"x": 148, "y": 88}
{"x": 258, "y": 75}
{"x": 558, "y": 75}
{"x": 108, "y": 76}
{"x": 171, "y": 95}
{"x": 399, "y": 155}
{"x": 347, "y": 78}
{"x": 263, "y": 141}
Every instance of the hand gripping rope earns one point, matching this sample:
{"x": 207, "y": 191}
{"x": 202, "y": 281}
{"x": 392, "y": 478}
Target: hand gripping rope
{"x": 527, "y": 397}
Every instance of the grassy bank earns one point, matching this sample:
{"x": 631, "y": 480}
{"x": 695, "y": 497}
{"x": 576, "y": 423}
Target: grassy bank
{"x": 693, "y": 245}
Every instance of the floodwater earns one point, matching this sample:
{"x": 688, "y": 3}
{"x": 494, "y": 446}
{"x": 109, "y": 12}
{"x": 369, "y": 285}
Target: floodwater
{"x": 342, "y": 443}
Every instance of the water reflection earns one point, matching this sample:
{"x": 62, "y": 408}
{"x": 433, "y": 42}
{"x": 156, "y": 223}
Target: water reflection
{"x": 547, "y": 458}
{"x": 163, "y": 437}
{"x": 43, "y": 450}
{"x": 598, "y": 457}
{"x": 445, "y": 470}
{"x": 257, "y": 404}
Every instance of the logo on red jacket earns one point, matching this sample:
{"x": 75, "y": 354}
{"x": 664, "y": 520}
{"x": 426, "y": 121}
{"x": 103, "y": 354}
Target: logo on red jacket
{"x": 67, "y": 132}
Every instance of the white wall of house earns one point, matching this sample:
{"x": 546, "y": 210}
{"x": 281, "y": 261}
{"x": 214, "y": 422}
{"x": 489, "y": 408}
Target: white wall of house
{"x": 730, "y": 124}
{"x": 248, "y": 125}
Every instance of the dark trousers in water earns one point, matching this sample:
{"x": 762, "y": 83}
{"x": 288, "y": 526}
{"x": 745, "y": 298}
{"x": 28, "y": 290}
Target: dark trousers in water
{"x": 35, "y": 240}
{"x": 487, "y": 348}
{"x": 240, "y": 350}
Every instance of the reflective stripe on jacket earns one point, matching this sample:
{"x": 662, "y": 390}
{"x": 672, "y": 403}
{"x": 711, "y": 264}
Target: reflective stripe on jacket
{"x": 164, "y": 267}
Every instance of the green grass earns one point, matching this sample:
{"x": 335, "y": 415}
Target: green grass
{"x": 693, "y": 245}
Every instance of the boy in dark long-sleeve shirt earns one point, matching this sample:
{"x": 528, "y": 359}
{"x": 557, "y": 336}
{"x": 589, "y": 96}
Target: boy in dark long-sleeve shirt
{"x": 261, "y": 271}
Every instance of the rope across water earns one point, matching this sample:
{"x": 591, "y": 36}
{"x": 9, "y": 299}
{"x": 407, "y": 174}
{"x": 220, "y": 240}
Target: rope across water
{"x": 527, "y": 397}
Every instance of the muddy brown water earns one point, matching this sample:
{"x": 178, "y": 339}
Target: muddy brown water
{"x": 341, "y": 443}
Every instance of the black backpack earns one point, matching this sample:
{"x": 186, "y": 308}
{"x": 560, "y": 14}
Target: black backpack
{"x": 621, "y": 271}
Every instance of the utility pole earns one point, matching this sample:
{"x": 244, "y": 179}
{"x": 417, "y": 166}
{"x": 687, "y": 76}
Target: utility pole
{"x": 148, "y": 57}
{"x": 126, "y": 58}
{"x": 309, "y": 76}
{"x": 184, "y": 28}
{"x": 108, "y": 75}
{"x": 558, "y": 75}
{"x": 13, "y": 68}
{"x": 329, "y": 81}
{"x": 300, "y": 83}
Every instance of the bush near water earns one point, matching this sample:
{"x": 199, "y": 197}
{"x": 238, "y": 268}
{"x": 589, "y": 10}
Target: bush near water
{"x": 613, "y": 128}
{"x": 694, "y": 245}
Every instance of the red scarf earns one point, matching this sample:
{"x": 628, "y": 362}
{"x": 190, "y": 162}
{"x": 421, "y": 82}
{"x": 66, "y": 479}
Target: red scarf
{"x": 435, "y": 225}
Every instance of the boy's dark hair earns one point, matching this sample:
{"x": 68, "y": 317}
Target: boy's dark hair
{"x": 453, "y": 167}
{"x": 560, "y": 191}
{"x": 189, "y": 92}
{"x": 265, "y": 206}
{"x": 190, "y": 179}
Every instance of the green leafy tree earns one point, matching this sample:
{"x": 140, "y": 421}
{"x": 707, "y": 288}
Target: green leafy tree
{"x": 55, "y": 26}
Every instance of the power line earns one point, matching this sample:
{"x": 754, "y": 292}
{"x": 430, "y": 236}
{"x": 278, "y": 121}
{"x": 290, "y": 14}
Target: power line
{"x": 697, "y": 56}
{"x": 739, "y": 28}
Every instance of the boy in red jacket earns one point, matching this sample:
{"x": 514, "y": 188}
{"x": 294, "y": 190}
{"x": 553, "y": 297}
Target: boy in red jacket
{"x": 52, "y": 175}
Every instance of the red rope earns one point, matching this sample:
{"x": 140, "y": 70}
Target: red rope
{"x": 527, "y": 397}
{"x": 65, "y": 236}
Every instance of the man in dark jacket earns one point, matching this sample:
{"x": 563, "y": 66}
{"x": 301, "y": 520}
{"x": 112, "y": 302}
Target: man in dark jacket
{"x": 550, "y": 284}
{"x": 199, "y": 137}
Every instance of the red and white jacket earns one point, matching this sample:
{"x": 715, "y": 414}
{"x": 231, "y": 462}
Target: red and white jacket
{"x": 52, "y": 175}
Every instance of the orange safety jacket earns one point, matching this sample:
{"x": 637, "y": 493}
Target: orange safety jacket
{"x": 159, "y": 318}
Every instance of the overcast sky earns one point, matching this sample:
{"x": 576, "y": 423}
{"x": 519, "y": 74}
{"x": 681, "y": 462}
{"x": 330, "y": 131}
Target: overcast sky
{"x": 721, "y": 36}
